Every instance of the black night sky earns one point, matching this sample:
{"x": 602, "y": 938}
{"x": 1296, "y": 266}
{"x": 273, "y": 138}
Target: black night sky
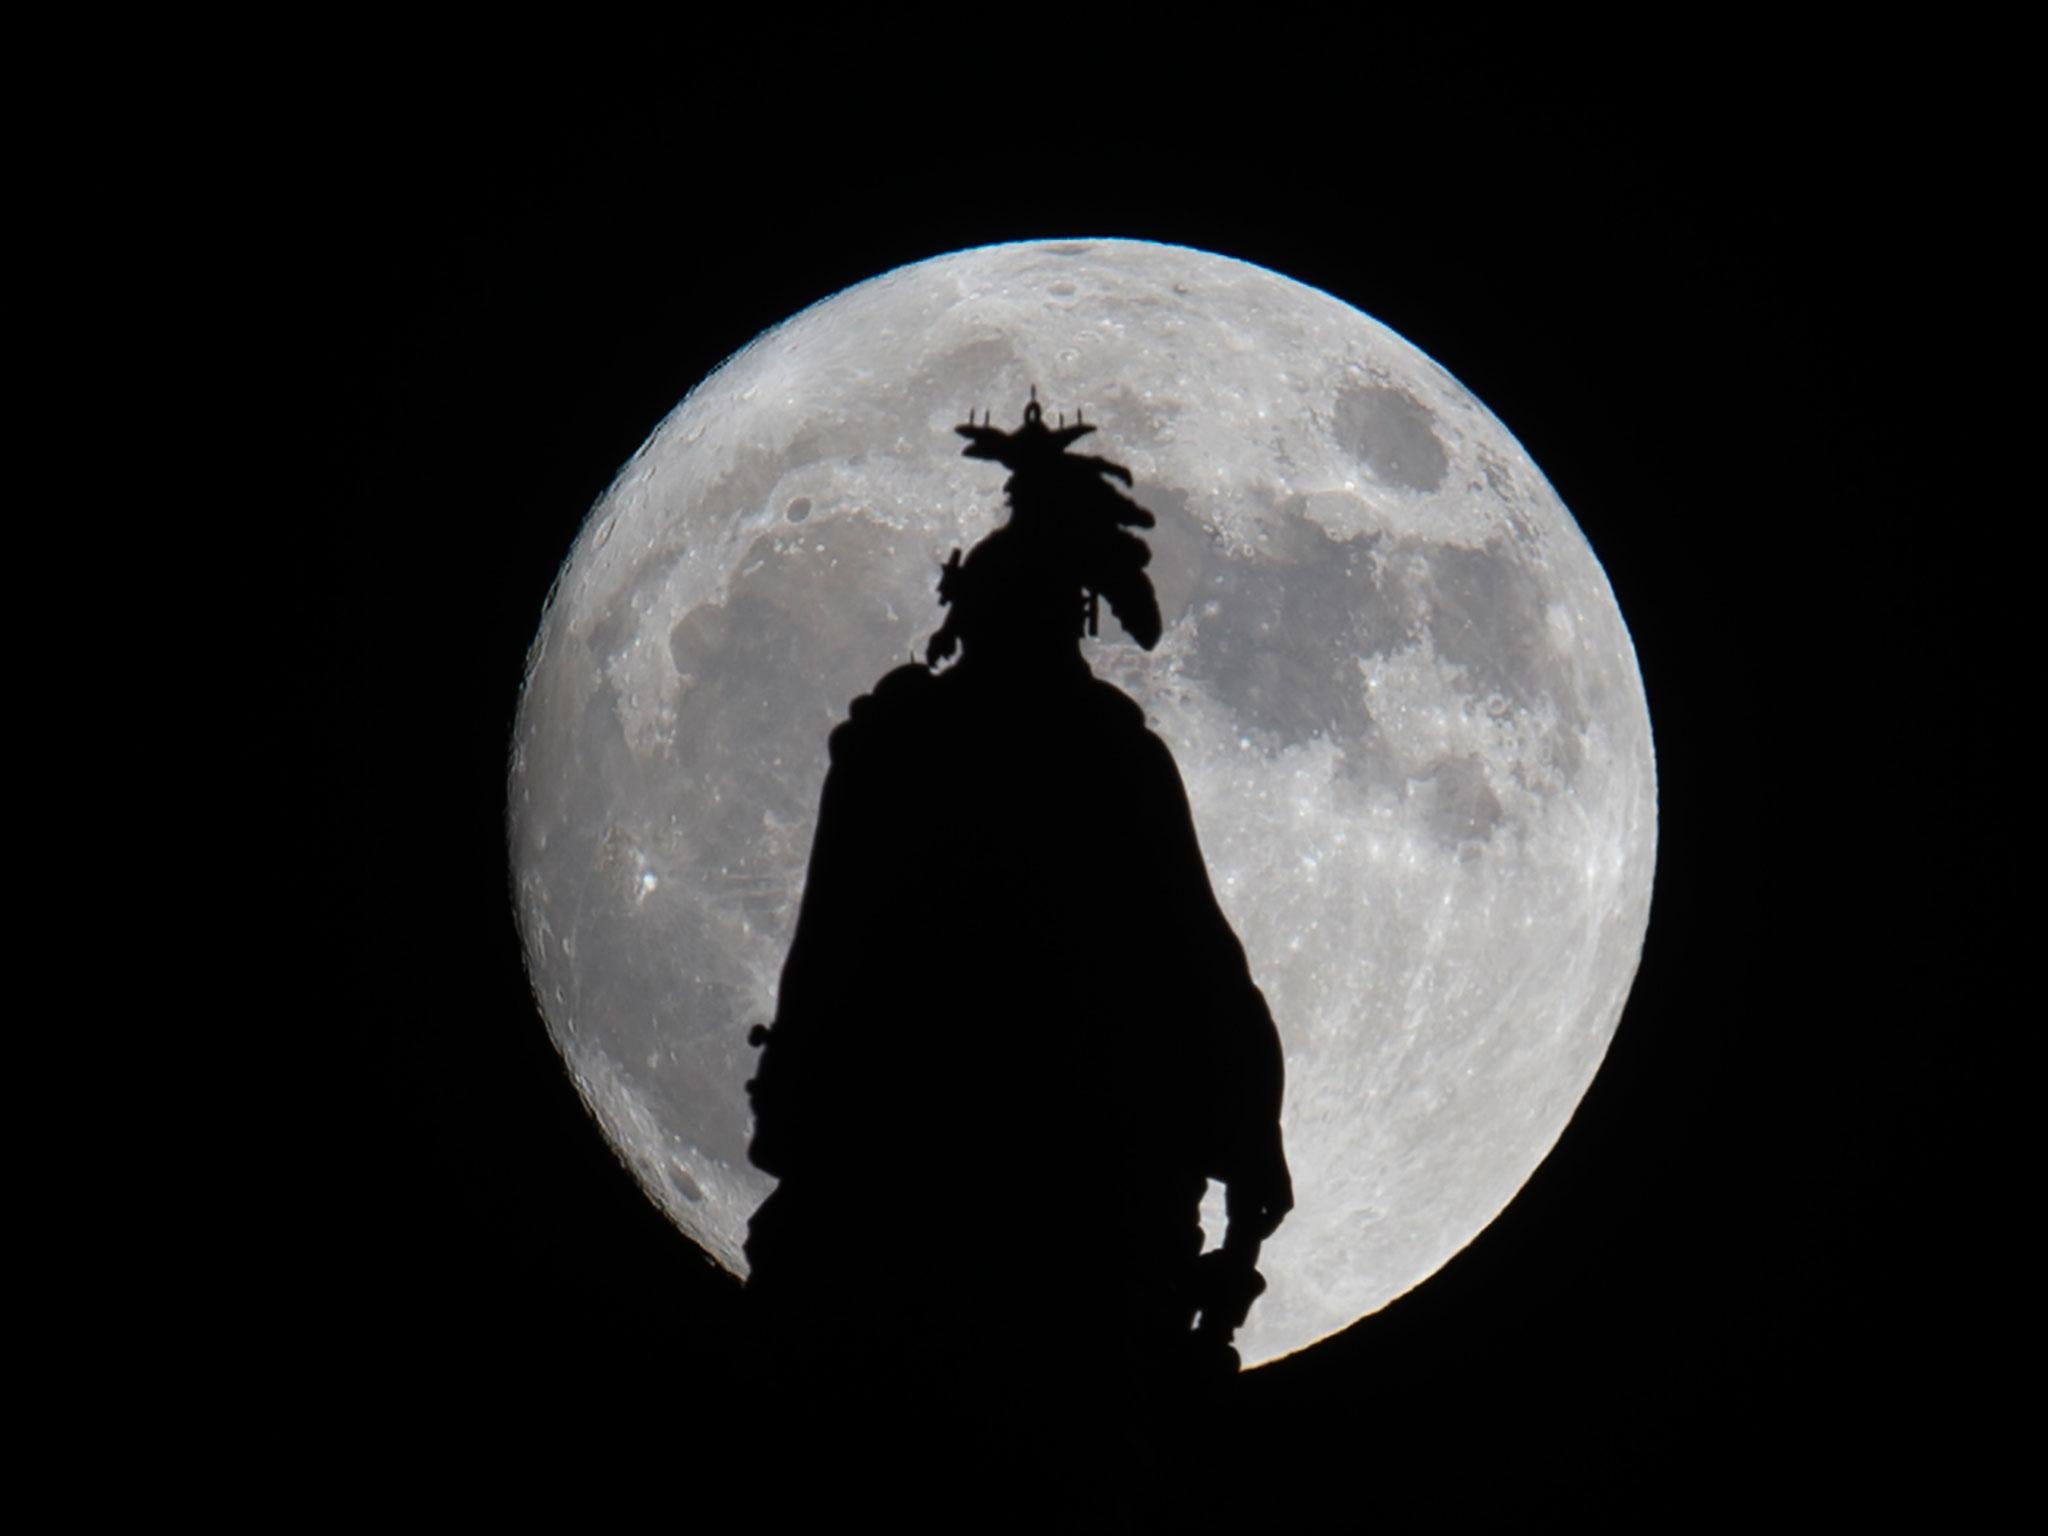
{"x": 1732, "y": 1281}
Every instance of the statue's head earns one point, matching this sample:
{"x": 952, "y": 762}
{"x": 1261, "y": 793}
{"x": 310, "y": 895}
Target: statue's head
{"x": 1034, "y": 585}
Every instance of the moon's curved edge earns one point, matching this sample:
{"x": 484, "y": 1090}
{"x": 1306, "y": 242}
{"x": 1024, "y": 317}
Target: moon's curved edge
{"x": 609, "y": 1115}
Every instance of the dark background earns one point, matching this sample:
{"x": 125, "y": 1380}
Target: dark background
{"x": 1691, "y": 290}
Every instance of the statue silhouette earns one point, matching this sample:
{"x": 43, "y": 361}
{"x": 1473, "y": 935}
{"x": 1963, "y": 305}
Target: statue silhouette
{"x": 1015, "y": 1033}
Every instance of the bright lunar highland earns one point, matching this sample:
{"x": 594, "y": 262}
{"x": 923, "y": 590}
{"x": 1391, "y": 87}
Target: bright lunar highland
{"x": 1394, "y": 677}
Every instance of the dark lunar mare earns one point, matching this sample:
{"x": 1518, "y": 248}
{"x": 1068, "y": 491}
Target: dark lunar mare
{"x": 1015, "y": 1032}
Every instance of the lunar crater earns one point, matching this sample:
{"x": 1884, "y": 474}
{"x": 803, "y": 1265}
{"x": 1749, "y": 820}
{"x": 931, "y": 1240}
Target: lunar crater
{"x": 1460, "y": 806}
{"x": 1392, "y": 434}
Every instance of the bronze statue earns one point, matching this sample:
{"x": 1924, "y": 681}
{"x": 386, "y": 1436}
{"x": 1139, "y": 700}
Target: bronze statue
{"x": 1013, "y": 1007}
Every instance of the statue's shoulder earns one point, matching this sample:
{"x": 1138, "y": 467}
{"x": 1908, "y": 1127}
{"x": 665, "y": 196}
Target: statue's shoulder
{"x": 902, "y": 697}
{"x": 1124, "y": 737}
{"x": 907, "y": 687}
{"x": 1115, "y": 709}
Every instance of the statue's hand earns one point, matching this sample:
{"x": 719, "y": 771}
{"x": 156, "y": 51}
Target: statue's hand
{"x": 1258, "y": 1200}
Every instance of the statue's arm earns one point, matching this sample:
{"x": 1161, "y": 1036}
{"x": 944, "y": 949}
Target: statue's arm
{"x": 1246, "y": 1067}
{"x": 789, "y": 1078}
{"x": 799, "y": 1089}
{"x": 1258, "y": 1188}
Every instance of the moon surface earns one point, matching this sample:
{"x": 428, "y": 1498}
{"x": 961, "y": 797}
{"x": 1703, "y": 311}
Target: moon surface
{"x": 1394, "y": 677}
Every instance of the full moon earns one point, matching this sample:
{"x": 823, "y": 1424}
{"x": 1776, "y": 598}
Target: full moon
{"x": 1394, "y": 678}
